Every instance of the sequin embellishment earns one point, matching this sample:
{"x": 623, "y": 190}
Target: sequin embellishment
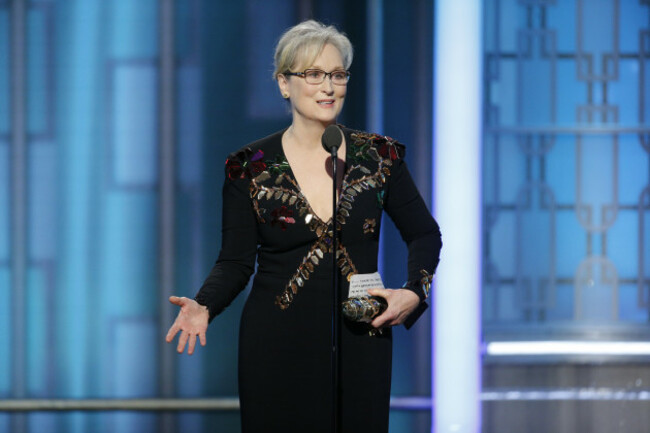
{"x": 369, "y": 158}
{"x": 423, "y": 284}
{"x": 380, "y": 199}
{"x": 369, "y": 225}
{"x": 245, "y": 164}
{"x": 282, "y": 216}
{"x": 278, "y": 165}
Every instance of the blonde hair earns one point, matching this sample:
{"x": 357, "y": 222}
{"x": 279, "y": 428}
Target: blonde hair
{"x": 302, "y": 43}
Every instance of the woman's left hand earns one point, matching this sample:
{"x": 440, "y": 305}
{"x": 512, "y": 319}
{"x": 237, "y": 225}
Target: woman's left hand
{"x": 401, "y": 303}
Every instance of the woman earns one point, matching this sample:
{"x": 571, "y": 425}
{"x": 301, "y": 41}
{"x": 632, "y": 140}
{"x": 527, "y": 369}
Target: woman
{"x": 277, "y": 209}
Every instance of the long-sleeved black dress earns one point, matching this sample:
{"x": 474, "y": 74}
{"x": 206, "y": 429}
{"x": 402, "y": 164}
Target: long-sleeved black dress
{"x": 285, "y": 331}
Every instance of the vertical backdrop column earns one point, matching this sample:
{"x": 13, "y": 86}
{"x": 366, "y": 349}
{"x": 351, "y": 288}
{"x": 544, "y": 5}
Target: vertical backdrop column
{"x": 18, "y": 205}
{"x": 167, "y": 200}
{"x": 457, "y": 171}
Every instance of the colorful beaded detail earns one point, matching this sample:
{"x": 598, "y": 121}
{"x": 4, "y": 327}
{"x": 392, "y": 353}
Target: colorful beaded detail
{"x": 369, "y": 158}
{"x": 423, "y": 284}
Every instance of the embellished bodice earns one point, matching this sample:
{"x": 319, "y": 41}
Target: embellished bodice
{"x": 280, "y": 205}
{"x": 284, "y": 223}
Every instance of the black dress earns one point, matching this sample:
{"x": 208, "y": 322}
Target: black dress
{"x": 285, "y": 333}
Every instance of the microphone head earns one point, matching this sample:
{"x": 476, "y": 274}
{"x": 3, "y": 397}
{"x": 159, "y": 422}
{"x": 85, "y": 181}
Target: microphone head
{"x": 332, "y": 138}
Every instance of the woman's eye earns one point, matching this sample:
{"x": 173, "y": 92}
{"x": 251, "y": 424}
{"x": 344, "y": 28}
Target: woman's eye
{"x": 314, "y": 74}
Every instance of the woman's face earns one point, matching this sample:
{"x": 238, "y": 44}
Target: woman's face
{"x": 322, "y": 102}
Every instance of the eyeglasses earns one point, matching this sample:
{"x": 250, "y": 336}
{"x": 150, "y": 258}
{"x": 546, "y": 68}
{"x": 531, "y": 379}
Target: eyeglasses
{"x": 317, "y": 76}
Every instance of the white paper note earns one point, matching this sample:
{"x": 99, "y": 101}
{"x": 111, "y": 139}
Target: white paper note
{"x": 360, "y": 283}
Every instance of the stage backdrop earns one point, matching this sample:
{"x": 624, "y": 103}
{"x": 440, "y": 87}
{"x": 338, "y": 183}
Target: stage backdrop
{"x": 81, "y": 273}
{"x": 566, "y": 166}
{"x": 567, "y": 210}
{"x": 91, "y": 93}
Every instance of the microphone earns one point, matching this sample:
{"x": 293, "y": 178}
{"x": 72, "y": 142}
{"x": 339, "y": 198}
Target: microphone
{"x": 332, "y": 138}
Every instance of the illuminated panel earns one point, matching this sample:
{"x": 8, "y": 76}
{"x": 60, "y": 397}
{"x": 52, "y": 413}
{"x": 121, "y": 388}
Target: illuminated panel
{"x": 457, "y": 175}
{"x": 600, "y": 348}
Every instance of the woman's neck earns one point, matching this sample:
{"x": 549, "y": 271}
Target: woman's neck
{"x": 307, "y": 135}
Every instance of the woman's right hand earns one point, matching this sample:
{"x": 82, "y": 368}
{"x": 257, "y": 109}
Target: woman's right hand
{"x": 192, "y": 321}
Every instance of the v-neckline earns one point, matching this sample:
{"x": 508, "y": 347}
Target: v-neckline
{"x": 297, "y": 184}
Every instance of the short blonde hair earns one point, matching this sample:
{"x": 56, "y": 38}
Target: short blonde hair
{"x": 302, "y": 43}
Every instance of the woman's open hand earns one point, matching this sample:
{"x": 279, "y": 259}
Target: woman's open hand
{"x": 192, "y": 321}
{"x": 401, "y": 303}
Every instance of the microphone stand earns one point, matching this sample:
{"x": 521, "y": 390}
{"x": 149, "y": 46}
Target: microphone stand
{"x": 336, "y": 315}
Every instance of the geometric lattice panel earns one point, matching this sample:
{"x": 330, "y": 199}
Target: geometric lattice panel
{"x": 566, "y": 165}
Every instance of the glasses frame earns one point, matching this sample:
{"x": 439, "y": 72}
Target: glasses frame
{"x": 303, "y": 75}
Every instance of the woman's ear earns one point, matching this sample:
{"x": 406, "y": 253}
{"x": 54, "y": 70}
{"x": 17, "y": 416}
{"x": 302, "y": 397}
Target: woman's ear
{"x": 283, "y": 84}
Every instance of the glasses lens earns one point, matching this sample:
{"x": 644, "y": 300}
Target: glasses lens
{"x": 314, "y": 76}
{"x": 339, "y": 77}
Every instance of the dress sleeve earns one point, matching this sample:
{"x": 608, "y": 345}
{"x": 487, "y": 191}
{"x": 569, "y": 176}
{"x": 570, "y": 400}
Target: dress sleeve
{"x": 236, "y": 261}
{"x": 418, "y": 229}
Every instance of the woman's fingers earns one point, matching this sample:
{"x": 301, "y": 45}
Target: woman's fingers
{"x": 192, "y": 321}
{"x": 182, "y": 341}
{"x": 379, "y": 292}
{"x": 401, "y": 303}
{"x": 172, "y": 333}
{"x": 177, "y": 300}
{"x": 385, "y": 318}
{"x": 192, "y": 343}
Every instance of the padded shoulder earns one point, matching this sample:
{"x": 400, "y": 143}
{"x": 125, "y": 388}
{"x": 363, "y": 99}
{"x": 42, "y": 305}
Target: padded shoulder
{"x": 375, "y": 146}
